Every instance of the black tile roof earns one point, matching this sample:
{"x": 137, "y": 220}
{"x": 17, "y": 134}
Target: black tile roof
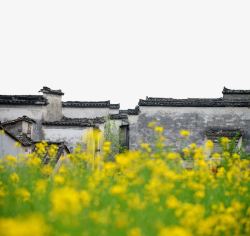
{"x": 135, "y": 111}
{"x": 114, "y": 106}
{"x": 194, "y": 102}
{"x": 100, "y": 104}
{"x": 22, "y": 138}
{"x": 235, "y": 91}
{"x": 48, "y": 90}
{"x": 23, "y": 118}
{"x": 78, "y": 122}
{"x": 119, "y": 116}
{"x": 23, "y": 100}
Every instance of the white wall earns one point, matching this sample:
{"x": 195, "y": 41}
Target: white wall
{"x": 73, "y": 112}
{"x": 13, "y": 112}
{"x": 244, "y": 112}
{"x": 8, "y": 147}
{"x": 113, "y": 111}
{"x": 195, "y": 119}
{"x": 132, "y": 119}
{"x": 70, "y": 135}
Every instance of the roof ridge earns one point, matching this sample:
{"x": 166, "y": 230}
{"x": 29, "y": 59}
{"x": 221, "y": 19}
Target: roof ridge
{"x": 21, "y": 118}
{"x": 86, "y": 104}
{"x": 23, "y": 100}
{"x": 235, "y": 91}
{"x": 195, "y": 102}
{"x": 20, "y": 137}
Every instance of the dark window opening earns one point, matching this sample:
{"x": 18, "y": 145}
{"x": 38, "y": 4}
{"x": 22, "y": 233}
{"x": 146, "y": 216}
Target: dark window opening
{"x": 124, "y": 138}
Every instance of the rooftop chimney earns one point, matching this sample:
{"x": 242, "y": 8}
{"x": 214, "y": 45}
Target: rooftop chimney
{"x": 53, "y": 111}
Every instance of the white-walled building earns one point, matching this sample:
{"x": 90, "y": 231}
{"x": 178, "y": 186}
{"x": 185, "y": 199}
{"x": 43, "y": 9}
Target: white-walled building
{"x": 47, "y": 117}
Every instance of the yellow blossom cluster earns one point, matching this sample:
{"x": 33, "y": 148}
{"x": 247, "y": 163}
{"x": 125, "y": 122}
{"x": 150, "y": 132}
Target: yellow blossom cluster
{"x": 154, "y": 190}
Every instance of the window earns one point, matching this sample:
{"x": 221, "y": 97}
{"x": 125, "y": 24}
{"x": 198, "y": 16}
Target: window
{"x": 215, "y": 134}
{"x": 124, "y": 138}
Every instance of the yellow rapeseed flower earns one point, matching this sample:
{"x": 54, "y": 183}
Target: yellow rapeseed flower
{"x": 226, "y": 155}
{"x": 146, "y": 147}
{"x": 118, "y": 190}
{"x": 40, "y": 186}
{"x": 62, "y": 170}
{"x": 134, "y": 232}
{"x": 186, "y": 151}
{"x": 174, "y": 231}
{"x": 199, "y": 194}
{"x": 224, "y": 141}
{"x": 107, "y": 147}
{"x": 199, "y": 153}
{"x": 159, "y": 129}
{"x": 173, "y": 156}
{"x": 122, "y": 160}
{"x": 33, "y": 225}
{"x": 151, "y": 124}
{"x": 47, "y": 170}
{"x": 85, "y": 198}
{"x": 2, "y": 192}
{"x": 59, "y": 179}
{"x": 41, "y": 148}
{"x": 109, "y": 166}
{"x": 11, "y": 160}
{"x": 216, "y": 155}
{"x": 65, "y": 201}
{"x": 236, "y": 156}
{"x": 23, "y": 193}
{"x": 52, "y": 150}
{"x": 33, "y": 161}
{"x": 184, "y": 133}
{"x": 14, "y": 177}
{"x": 193, "y": 145}
{"x": 172, "y": 202}
{"x": 209, "y": 145}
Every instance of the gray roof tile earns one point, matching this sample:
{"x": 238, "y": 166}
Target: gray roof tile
{"x": 22, "y": 100}
{"x": 194, "y": 102}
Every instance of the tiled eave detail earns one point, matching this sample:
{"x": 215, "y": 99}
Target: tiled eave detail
{"x": 235, "y": 91}
{"x": 69, "y": 124}
{"x": 118, "y": 116}
{"x": 23, "y": 139}
{"x": 114, "y": 106}
{"x": 23, "y": 100}
{"x": 23, "y": 118}
{"x": 102, "y": 104}
{"x": 194, "y": 102}
{"x": 135, "y": 111}
{"x": 77, "y": 122}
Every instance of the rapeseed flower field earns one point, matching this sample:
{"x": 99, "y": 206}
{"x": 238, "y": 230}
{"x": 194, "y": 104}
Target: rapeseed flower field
{"x": 154, "y": 190}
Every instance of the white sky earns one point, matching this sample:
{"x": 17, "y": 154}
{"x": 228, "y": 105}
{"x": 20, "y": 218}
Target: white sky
{"x": 124, "y": 50}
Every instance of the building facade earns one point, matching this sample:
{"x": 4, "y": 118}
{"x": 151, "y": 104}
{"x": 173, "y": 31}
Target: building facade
{"x": 47, "y": 117}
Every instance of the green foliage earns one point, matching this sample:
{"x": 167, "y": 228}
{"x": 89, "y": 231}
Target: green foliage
{"x": 148, "y": 191}
{"x": 111, "y": 134}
